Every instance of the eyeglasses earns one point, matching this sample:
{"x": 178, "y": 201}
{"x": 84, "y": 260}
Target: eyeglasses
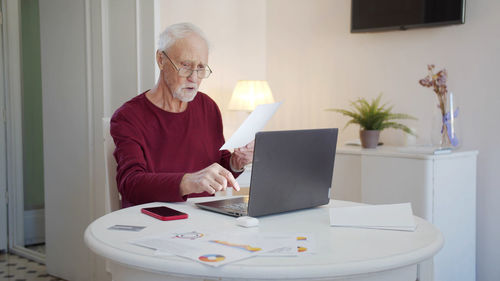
{"x": 185, "y": 71}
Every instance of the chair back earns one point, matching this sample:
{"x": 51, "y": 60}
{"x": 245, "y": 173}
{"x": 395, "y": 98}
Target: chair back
{"x": 112, "y": 202}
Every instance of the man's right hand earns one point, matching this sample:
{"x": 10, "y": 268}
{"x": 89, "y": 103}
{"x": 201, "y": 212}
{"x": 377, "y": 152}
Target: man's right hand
{"x": 211, "y": 179}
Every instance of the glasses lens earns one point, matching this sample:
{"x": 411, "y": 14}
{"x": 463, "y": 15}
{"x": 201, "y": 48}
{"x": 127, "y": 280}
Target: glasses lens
{"x": 202, "y": 73}
{"x": 206, "y": 72}
{"x": 185, "y": 72}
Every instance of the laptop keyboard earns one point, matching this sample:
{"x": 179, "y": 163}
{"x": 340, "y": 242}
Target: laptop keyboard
{"x": 237, "y": 207}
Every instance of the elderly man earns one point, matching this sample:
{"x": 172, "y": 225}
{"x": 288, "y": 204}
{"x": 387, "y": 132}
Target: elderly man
{"x": 168, "y": 138}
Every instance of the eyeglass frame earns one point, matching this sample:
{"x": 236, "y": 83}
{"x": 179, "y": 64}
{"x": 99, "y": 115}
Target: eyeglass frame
{"x": 190, "y": 69}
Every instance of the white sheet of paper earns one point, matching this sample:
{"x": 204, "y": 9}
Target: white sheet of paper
{"x": 214, "y": 249}
{"x": 297, "y": 244}
{"x": 288, "y": 241}
{"x": 254, "y": 123}
{"x": 389, "y": 216}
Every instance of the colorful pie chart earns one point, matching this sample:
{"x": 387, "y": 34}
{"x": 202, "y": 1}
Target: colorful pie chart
{"x": 212, "y": 258}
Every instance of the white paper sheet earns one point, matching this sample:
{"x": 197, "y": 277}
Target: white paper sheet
{"x": 390, "y": 217}
{"x": 297, "y": 244}
{"x": 254, "y": 123}
{"x": 210, "y": 248}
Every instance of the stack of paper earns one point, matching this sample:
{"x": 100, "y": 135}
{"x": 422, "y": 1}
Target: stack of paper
{"x": 392, "y": 217}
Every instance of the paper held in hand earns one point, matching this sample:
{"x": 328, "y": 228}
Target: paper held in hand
{"x": 390, "y": 217}
{"x": 254, "y": 123}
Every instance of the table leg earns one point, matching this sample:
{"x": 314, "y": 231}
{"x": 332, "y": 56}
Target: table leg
{"x": 425, "y": 270}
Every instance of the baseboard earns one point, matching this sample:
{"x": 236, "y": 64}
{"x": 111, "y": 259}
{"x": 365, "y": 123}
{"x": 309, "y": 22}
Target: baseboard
{"x": 34, "y": 226}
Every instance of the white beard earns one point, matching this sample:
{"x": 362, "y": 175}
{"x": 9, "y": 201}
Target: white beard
{"x": 184, "y": 94}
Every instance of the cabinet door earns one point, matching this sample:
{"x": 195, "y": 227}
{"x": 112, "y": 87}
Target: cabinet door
{"x": 455, "y": 217}
{"x": 346, "y": 182}
{"x": 388, "y": 180}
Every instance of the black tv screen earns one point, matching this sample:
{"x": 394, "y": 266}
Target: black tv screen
{"x": 376, "y": 15}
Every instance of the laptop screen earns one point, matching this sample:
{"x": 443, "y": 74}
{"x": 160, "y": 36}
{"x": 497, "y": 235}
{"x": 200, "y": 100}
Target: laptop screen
{"x": 291, "y": 170}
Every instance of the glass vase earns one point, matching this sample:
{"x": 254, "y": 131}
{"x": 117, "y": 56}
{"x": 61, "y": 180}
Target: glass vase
{"x": 445, "y": 128}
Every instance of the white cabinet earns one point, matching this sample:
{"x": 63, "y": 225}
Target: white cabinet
{"x": 441, "y": 188}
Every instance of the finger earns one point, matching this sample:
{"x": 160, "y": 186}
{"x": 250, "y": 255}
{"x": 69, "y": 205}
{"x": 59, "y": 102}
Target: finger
{"x": 205, "y": 185}
{"x": 210, "y": 190}
{"x": 244, "y": 154}
{"x": 231, "y": 180}
{"x": 215, "y": 167}
{"x": 221, "y": 180}
{"x": 244, "y": 159}
{"x": 216, "y": 186}
{"x": 240, "y": 162}
{"x": 250, "y": 145}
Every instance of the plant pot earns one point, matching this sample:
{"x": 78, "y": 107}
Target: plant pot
{"x": 369, "y": 138}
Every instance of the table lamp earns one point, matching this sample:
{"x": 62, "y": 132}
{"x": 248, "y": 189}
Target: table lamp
{"x": 248, "y": 94}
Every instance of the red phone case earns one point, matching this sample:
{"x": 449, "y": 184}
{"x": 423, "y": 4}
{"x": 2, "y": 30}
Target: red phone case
{"x": 164, "y": 218}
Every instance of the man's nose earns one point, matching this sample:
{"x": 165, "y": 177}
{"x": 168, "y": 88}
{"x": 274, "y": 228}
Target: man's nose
{"x": 193, "y": 77}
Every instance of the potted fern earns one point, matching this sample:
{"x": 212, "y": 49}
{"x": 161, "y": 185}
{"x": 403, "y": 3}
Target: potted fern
{"x": 372, "y": 117}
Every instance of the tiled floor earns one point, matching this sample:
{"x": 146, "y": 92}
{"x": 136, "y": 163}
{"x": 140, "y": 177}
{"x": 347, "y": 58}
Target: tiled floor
{"x": 15, "y": 268}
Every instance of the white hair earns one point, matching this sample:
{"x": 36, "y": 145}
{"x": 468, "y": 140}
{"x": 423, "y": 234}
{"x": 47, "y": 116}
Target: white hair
{"x": 178, "y": 31}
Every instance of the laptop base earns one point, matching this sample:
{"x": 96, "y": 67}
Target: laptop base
{"x": 235, "y": 207}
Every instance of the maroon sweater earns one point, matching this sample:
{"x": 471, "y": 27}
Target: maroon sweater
{"x": 155, "y": 148}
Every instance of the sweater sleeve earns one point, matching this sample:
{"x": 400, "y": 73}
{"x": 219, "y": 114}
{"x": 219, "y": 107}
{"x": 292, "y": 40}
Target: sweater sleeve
{"x": 135, "y": 183}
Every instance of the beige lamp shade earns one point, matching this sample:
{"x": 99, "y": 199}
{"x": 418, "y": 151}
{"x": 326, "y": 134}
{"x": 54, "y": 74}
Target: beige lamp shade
{"x": 248, "y": 94}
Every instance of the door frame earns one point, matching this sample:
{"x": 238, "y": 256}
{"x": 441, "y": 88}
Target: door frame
{"x": 3, "y": 150}
{"x": 14, "y": 136}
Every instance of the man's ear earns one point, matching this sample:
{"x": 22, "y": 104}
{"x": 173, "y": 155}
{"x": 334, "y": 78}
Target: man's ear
{"x": 159, "y": 59}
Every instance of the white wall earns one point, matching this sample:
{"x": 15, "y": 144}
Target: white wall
{"x": 314, "y": 62}
{"x": 128, "y": 50}
{"x": 236, "y": 30}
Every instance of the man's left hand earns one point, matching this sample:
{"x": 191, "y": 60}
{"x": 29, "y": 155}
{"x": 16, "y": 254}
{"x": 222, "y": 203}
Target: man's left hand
{"x": 242, "y": 156}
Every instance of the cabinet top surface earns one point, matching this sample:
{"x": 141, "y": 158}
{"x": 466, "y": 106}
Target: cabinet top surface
{"x": 418, "y": 152}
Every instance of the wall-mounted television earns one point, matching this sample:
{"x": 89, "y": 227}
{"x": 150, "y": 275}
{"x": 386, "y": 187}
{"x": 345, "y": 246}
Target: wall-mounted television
{"x": 379, "y": 15}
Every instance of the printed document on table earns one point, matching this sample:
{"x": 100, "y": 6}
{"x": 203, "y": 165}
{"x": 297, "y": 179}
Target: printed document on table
{"x": 390, "y": 217}
{"x": 214, "y": 249}
{"x": 254, "y": 123}
{"x": 297, "y": 244}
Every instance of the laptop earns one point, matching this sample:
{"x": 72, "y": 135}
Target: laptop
{"x": 291, "y": 170}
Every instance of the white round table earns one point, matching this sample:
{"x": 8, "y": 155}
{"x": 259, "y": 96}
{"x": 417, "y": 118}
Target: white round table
{"x": 342, "y": 253}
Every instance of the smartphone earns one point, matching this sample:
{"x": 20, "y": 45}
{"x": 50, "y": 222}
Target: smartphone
{"x": 164, "y": 213}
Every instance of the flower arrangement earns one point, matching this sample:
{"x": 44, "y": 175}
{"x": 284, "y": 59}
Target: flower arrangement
{"x": 437, "y": 81}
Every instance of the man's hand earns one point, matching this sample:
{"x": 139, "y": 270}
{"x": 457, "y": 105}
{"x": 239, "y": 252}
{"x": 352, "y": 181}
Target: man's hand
{"x": 242, "y": 156}
{"x": 211, "y": 179}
